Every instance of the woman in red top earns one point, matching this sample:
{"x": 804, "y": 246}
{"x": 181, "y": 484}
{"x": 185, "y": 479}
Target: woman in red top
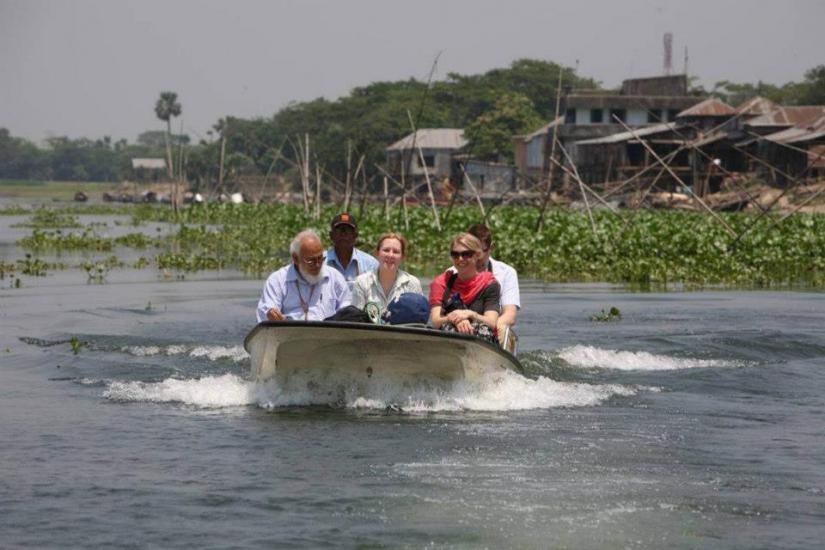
{"x": 462, "y": 298}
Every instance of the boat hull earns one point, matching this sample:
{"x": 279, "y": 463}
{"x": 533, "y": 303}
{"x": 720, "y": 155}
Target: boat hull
{"x": 280, "y": 349}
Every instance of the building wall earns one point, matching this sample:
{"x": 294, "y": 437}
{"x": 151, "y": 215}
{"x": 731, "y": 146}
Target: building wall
{"x": 636, "y": 117}
{"x": 633, "y": 117}
{"x": 440, "y": 168}
{"x": 535, "y": 153}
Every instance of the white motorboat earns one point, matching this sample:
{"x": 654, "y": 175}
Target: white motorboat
{"x": 368, "y": 351}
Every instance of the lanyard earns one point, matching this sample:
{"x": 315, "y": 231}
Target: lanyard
{"x": 304, "y": 305}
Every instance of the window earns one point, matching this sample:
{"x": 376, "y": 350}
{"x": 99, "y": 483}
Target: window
{"x": 596, "y": 116}
{"x": 671, "y": 114}
{"x": 570, "y": 116}
{"x": 621, "y": 114}
{"x": 654, "y": 116}
{"x": 429, "y": 161}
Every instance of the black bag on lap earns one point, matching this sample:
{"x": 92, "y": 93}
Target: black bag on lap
{"x": 350, "y": 314}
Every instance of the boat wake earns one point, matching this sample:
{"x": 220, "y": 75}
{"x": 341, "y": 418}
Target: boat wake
{"x": 213, "y": 353}
{"x": 592, "y": 357}
{"x": 499, "y": 392}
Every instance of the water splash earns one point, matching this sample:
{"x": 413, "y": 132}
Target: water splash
{"x": 213, "y": 353}
{"x": 592, "y": 357}
{"x": 499, "y": 392}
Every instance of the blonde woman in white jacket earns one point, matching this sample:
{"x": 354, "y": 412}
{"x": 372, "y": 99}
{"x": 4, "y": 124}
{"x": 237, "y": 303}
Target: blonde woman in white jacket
{"x": 383, "y": 285}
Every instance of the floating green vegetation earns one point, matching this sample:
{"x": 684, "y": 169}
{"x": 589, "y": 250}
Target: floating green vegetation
{"x": 33, "y": 266}
{"x": 98, "y": 270}
{"x": 613, "y": 314}
{"x": 48, "y": 218}
{"x": 76, "y": 344}
{"x": 57, "y": 240}
{"x": 14, "y": 210}
{"x": 646, "y": 249}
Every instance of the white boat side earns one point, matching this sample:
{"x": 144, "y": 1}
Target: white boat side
{"x": 362, "y": 349}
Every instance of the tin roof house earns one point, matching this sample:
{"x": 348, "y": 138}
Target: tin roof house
{"x": 429, "y": 150}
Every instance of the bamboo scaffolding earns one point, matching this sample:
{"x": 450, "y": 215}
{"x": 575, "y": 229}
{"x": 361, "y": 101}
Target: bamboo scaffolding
{"x": 587, "y": 188}
{"x": 677, "y": 178}
{"x": 581, "y": 188}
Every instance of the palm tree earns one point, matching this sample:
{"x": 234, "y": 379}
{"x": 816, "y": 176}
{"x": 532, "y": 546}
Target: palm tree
{"x": 166, "y": 107}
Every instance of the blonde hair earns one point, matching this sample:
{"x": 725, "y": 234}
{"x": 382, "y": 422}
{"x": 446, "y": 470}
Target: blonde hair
{"x": 397, "y": 236}
{"x": 468, "y": 240}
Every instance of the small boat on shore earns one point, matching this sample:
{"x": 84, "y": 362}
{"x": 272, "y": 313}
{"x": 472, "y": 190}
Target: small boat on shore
{"x": 367, "y": 351}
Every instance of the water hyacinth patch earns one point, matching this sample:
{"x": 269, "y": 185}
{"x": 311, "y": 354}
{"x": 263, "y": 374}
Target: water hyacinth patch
{"x": 643, "y": 248}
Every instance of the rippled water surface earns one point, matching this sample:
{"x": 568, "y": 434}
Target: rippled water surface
{"x": 694, "y": 421}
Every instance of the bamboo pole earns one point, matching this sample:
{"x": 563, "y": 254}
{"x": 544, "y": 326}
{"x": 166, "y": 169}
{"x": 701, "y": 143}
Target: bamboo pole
{"x": 546, "y": 197}
{"x": 586, "y": 187}
{"x": 364, "y": 191}
{"x": 475, "y": 190}
{"x": 223, "y": 156}
{"x": 386, "y": 200}
{"x": 426, "y": 174}
{"x": 317, "y": 192}
{"x": 305, "y": 174}
{"x": 347, "y": 187}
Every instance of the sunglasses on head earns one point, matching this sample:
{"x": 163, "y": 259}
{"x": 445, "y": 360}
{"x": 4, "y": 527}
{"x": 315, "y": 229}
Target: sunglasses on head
{"x": 466, "y": 254}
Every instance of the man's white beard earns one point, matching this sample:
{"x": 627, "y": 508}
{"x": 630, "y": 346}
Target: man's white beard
{"x": 309, "y": 277}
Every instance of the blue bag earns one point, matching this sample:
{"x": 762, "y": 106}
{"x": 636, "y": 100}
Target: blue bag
{"x": 407, "y": 308}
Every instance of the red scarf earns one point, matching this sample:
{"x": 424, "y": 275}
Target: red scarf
{"x": 467, "y": 290}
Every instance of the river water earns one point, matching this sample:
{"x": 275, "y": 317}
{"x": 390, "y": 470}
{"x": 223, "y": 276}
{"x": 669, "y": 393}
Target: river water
{"x": 696, "y": 420}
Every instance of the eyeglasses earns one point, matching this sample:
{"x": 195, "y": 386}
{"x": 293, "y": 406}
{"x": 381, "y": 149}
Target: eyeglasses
{"x": 466, "y": 254}
{"x": 317, "y": 260}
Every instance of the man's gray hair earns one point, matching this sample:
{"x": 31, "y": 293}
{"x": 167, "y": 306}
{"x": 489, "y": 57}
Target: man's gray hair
{"x": 306, "y": 234}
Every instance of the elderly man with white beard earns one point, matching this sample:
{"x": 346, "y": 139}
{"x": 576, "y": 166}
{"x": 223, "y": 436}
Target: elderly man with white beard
{"x": 306, "y": 289}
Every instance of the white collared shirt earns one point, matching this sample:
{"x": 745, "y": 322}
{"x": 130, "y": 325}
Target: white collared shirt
{"x": 508, "y": 279}
{"x": 367, "y": 288}
{"x": 290, "y": 293}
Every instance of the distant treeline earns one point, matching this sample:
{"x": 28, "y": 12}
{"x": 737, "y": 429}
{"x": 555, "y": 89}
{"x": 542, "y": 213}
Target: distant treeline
{"x": 491, "y": 107}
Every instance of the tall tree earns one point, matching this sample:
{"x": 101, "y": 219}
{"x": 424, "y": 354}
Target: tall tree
{"x": 491, "y": 134}
{"x": 166, "y": 107}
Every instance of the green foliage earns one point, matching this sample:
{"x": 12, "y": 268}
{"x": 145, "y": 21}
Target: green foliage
{"x": 167, "y": 106}
{"x": 491, "y": 134}
{"x": 811, "y": 91}
{"x": 48, "y": 218}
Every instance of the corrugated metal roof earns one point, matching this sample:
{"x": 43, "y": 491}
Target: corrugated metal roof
{"x": 149, "y": 163}
{"x": 799, "y": 133}
{"x": 709, "y": 107}
{"x": 757, "y": 106}
{"x": 431, "y": 138}
{"x": 627, "y": 136}
{"x": 789, "y": 116}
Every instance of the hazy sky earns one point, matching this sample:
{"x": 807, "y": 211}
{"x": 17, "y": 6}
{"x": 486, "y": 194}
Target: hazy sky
{"x": 95, "y": 67}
